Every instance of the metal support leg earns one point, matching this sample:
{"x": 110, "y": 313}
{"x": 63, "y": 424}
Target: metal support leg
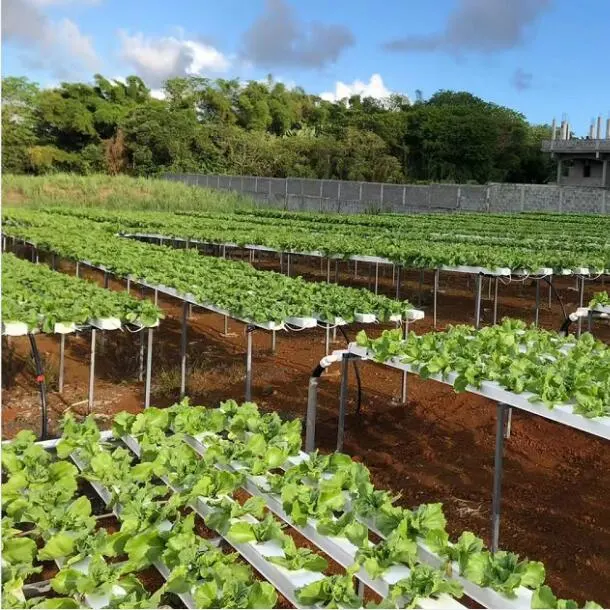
{"x": 398, "y": 283}
{"x": 342, "y": 402}
{"x": 156, "y": 297}
{"x": 336, "y": 271}
{"x": 477, "y": 304}
{"x": 91, "y": 372}
{"x": 183, "y": 350}
{"x": 403, "y": 393}
{"x": 226, "y": 326}
{"x": 77, "y": 271}
{"x": 141, "y": 359}
{"x": 360, "y": 589}
{"x": 496, "y": 300}
{"x": 550, "y": 290}
{"x": 128, "y": 288}
{"x": 288, "y": 265}
{"x": 435, "y": 289}
{"x": 537, "y": 312}
{"x": 376, "y": 277}
{"x": 42, "y": 388}
{"x": 62, "y": 350}
{"x": 310, "y": 423}
{"x": 328, "y": 270}
{"x": 355, "y": 270}
{"x": 581, "y": 300}
{"x": 105, "y": 279}
{"x": 509, "y": 421}
{"x": 148, "y": 369}
{"x": 327, "y": 341}
{"x": 249, "y": 331}
{"x": 501, "y": 411}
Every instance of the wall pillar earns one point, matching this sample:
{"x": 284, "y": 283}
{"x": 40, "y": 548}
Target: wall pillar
{"x": 605, "y": 173}
{"x": 559, "y": 171}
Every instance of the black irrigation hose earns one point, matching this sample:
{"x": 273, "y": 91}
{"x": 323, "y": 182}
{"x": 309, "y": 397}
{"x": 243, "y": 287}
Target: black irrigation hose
{"x": 41, "y": 385}
{"x": 563, "y": 309}
{"x": 565, "y": 327}
{"x": 356, "y": 371}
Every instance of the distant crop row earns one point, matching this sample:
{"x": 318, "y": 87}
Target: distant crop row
{"x": 235, "y": 287}
{"x": 527, "y": 242}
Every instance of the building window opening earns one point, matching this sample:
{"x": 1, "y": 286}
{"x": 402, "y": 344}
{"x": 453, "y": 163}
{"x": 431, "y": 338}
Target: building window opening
{"x": 586, "y": 170}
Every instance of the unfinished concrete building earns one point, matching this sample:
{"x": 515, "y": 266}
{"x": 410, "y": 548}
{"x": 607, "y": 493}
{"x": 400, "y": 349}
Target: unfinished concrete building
{"x": 581, "y": 161}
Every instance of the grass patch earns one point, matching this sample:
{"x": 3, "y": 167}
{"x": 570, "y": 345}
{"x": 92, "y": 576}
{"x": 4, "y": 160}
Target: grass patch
{"x": 115, "y": 192}
{"x": 202, "y": 376}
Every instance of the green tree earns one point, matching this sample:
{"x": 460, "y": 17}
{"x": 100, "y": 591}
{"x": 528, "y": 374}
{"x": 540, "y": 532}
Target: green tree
{"x": 19, "y": 101}
{"x": 457, "y": 137}
{"x": 264, "y": 128}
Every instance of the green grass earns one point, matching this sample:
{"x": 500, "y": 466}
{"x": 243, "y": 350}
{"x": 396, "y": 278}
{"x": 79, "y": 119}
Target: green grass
{"x": 114, "y": 192}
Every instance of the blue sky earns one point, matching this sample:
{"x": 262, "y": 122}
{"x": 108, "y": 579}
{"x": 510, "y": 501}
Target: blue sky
{"x": 543, "y": 58}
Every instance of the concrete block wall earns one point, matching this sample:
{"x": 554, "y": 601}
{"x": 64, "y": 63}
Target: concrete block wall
{"x": 310, "y": 195}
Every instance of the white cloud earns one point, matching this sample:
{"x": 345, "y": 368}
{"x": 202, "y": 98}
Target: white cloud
{"x": 158, "y": 94}
{"x": 57, "y": 46}
{"x": 157, "y": 59}
{"x": 76, "y": 43}
{"x": 374, "y": 88}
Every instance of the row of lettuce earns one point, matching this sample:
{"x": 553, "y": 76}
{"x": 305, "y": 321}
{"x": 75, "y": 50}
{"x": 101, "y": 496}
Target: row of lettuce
{"x": 556, "y": 370}
{"x": 232, "y": 286}
{"x": 41, "y": 298}
{"x": 414, "y": 242}
{"x": 46, "y": 518}
{"x": 467, "y": 227}
{"x": 543, "y": 223}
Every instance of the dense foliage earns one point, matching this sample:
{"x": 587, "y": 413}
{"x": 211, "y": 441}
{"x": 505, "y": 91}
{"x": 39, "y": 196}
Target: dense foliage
{"x": 264, "y": 129}
{"x": 168, "y": 468}
{"x": 41, "y": 298}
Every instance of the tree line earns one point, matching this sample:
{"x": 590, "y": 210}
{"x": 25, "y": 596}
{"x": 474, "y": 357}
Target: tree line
{"x": 266, "y": 129}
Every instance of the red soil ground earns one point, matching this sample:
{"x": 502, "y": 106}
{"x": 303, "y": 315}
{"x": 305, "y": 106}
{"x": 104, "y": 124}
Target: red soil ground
{"x": 438, "y": 447}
